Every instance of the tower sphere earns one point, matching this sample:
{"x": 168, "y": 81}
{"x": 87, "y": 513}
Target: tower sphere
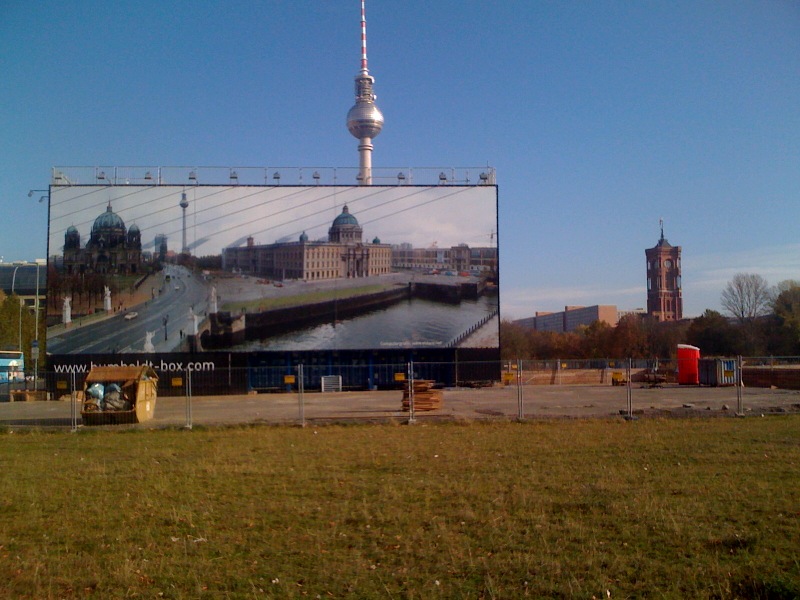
{"x": 364, "y": 120}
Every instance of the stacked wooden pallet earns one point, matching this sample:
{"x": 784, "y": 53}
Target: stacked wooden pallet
{"x": 425, "y": 397}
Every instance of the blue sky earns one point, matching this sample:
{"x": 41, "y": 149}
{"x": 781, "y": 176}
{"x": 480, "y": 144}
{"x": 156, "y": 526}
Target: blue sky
{"x": 600, "y": 118}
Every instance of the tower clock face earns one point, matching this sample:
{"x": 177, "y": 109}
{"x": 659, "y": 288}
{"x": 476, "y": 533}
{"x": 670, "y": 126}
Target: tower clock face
{"x": 668, "y": 263}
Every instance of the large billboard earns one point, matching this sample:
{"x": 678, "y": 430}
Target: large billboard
{"x": 206, "y": 268}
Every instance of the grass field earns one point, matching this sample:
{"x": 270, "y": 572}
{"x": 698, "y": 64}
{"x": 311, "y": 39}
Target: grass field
{"x": 693, "y": 508}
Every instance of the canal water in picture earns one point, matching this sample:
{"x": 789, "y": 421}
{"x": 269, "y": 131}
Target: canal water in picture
{"x": 416, "y": 322}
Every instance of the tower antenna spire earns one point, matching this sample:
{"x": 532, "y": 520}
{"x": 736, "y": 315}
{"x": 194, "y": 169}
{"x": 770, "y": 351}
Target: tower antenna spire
{"x": 364, "y": 120}
{"x": 364, "y": 68}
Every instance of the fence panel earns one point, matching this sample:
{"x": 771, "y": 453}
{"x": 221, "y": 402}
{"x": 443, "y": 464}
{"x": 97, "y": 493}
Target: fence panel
{"x": 527, "y": 389}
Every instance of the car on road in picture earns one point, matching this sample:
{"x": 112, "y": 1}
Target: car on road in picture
{"x": 131, "y": 315}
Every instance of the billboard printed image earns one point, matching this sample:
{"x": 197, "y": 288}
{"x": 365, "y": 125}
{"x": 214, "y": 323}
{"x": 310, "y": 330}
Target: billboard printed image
{"x": 175, "y": 268}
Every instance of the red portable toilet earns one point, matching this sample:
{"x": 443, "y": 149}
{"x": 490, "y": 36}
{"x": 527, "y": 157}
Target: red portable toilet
{"x": 688, "y": 364}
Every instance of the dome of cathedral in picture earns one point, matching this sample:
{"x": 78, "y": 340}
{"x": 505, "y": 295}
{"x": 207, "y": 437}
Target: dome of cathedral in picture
{"x": 111, "y": 249}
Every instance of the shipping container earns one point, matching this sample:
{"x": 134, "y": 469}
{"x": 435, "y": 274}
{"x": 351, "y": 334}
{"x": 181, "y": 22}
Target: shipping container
{"x": 717, "y": 371}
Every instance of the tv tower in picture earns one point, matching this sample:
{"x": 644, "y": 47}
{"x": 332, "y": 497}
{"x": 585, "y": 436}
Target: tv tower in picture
{"x": 184, "y": 206}
{"x": 364, "y": 120}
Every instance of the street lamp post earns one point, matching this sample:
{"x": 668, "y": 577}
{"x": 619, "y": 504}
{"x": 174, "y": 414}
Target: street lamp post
{"x": 14, "y": 278}
{"x": 36, "y": 333}
{"x": 21, "y": 304}
{"x": 43, "y": 195}
{"x": 13, "y": 283}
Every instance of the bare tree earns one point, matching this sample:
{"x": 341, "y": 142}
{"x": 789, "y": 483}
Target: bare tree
{"x": 746, "y": 297}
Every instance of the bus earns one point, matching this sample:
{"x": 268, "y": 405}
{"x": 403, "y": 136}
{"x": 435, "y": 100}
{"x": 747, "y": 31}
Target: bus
{"x": 12, "y": 366}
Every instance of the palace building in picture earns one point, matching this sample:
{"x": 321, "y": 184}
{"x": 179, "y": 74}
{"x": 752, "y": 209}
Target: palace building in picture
{"x": 344, "y": 255}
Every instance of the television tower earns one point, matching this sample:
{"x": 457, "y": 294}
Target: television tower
{"x": 364, "y": 120}
{"x": 184, "y": 206}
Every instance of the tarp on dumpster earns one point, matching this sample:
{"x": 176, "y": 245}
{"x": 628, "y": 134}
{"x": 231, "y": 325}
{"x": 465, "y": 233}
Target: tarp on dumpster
{"x": 116, "y": 395}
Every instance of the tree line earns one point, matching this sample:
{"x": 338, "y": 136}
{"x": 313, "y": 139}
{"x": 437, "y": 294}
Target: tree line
{"x": 758, "y": 320}
{"x": 18, "y": 323}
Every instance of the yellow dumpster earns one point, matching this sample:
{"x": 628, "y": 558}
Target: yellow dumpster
{"x": 617, "y": 378}
{"x": 115, "y": 395}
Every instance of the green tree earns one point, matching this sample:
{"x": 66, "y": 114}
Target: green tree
{"x": 550, "y": 344}
{"x": 16, "y": 319}
{"x": 597, "y": 340}
{"x": 714, "y": 334}
{"x": 663, "y": 337}
{"x": 514, "y": 341}
{"x": 786, "y": 308}
{"x": 629, "y": 338}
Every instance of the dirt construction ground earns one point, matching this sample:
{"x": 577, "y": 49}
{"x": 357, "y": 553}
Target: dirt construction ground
{"x": 459, "y": 404}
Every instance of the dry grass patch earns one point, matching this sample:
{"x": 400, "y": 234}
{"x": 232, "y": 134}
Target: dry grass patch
{"x": 670, "y": 509}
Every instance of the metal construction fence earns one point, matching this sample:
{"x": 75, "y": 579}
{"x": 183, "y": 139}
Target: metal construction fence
{"x": 408, "y": 392}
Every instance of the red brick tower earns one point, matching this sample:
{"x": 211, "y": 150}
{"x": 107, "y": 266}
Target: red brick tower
{"x": 664, "y": 296}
